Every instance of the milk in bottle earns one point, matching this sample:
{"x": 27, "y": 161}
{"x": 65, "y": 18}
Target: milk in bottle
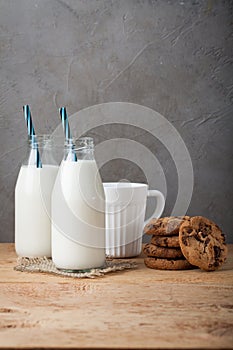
{"x": 78, "y": 210}
{"x": 33, "y": 200}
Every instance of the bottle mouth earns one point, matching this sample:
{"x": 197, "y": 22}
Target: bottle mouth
{"x": 80, "y": 144}
{"x": 40, "y": 140}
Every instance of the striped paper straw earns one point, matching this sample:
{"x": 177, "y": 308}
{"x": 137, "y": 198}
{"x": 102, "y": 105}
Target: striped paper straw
{"x": 66, "y": 128}
{"x": 31, "y": 134}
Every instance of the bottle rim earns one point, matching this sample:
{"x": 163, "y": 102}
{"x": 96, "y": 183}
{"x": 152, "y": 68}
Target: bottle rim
{"x": 40, "y": 140}
{"x": 80, "y": 144}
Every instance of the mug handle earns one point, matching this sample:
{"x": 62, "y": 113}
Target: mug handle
{"x": 160, "y": 204}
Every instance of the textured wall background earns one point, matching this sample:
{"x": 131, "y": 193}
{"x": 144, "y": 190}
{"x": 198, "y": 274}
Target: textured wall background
{"x": 172, "y": 56}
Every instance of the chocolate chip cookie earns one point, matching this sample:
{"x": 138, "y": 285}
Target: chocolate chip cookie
{"x": 202, "y": 243}
{"x": 166, "y": 241}
{"x": 167, "y": 226}
{"x": 167, "y": 264}
{"x": 161, "y": 252}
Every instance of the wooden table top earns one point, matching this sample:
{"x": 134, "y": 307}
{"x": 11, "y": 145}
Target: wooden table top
{"x": 139, "y": 308}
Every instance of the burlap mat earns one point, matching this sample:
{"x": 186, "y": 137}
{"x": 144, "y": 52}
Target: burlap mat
{"x": 46, "y": 265}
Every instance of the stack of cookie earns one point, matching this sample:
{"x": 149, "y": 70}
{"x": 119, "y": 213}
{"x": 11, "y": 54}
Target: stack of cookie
{"x": 184, "y": 242}
{"x": 163, "y": 252}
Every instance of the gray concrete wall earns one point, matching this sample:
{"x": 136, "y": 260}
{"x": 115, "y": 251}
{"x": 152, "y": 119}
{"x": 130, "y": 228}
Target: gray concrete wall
{"x": 172, "y": 56}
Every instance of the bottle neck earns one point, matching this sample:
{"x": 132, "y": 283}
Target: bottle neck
{"x": 40, "y": 151}
{"x": 79, "y": 149}
{"x": 41, "y": 142}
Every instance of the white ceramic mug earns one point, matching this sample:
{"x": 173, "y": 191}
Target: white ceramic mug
{"x": 124, "y": 216}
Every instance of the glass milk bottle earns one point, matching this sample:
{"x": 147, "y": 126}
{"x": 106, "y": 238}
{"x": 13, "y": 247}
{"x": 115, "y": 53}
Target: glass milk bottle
{"x": 78, "y": 209}
{"x": 33, "y": 199}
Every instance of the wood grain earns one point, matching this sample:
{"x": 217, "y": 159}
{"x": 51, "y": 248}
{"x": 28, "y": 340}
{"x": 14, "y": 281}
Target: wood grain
{"x": 140, "y": 308}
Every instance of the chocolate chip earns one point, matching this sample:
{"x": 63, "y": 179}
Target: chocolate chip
{"x": 197, "y": 237}
{"x": 204, "y": 234}
{"x": 189, "y": 230}
{"x": 217, "y": 252}
{"x": 184, "y": 240}
{"x": 204, "y": 229}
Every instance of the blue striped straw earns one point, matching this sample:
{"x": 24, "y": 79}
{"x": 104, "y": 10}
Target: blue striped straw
{"x": 31, "y": 134}
{"x": 66, "y": 128}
